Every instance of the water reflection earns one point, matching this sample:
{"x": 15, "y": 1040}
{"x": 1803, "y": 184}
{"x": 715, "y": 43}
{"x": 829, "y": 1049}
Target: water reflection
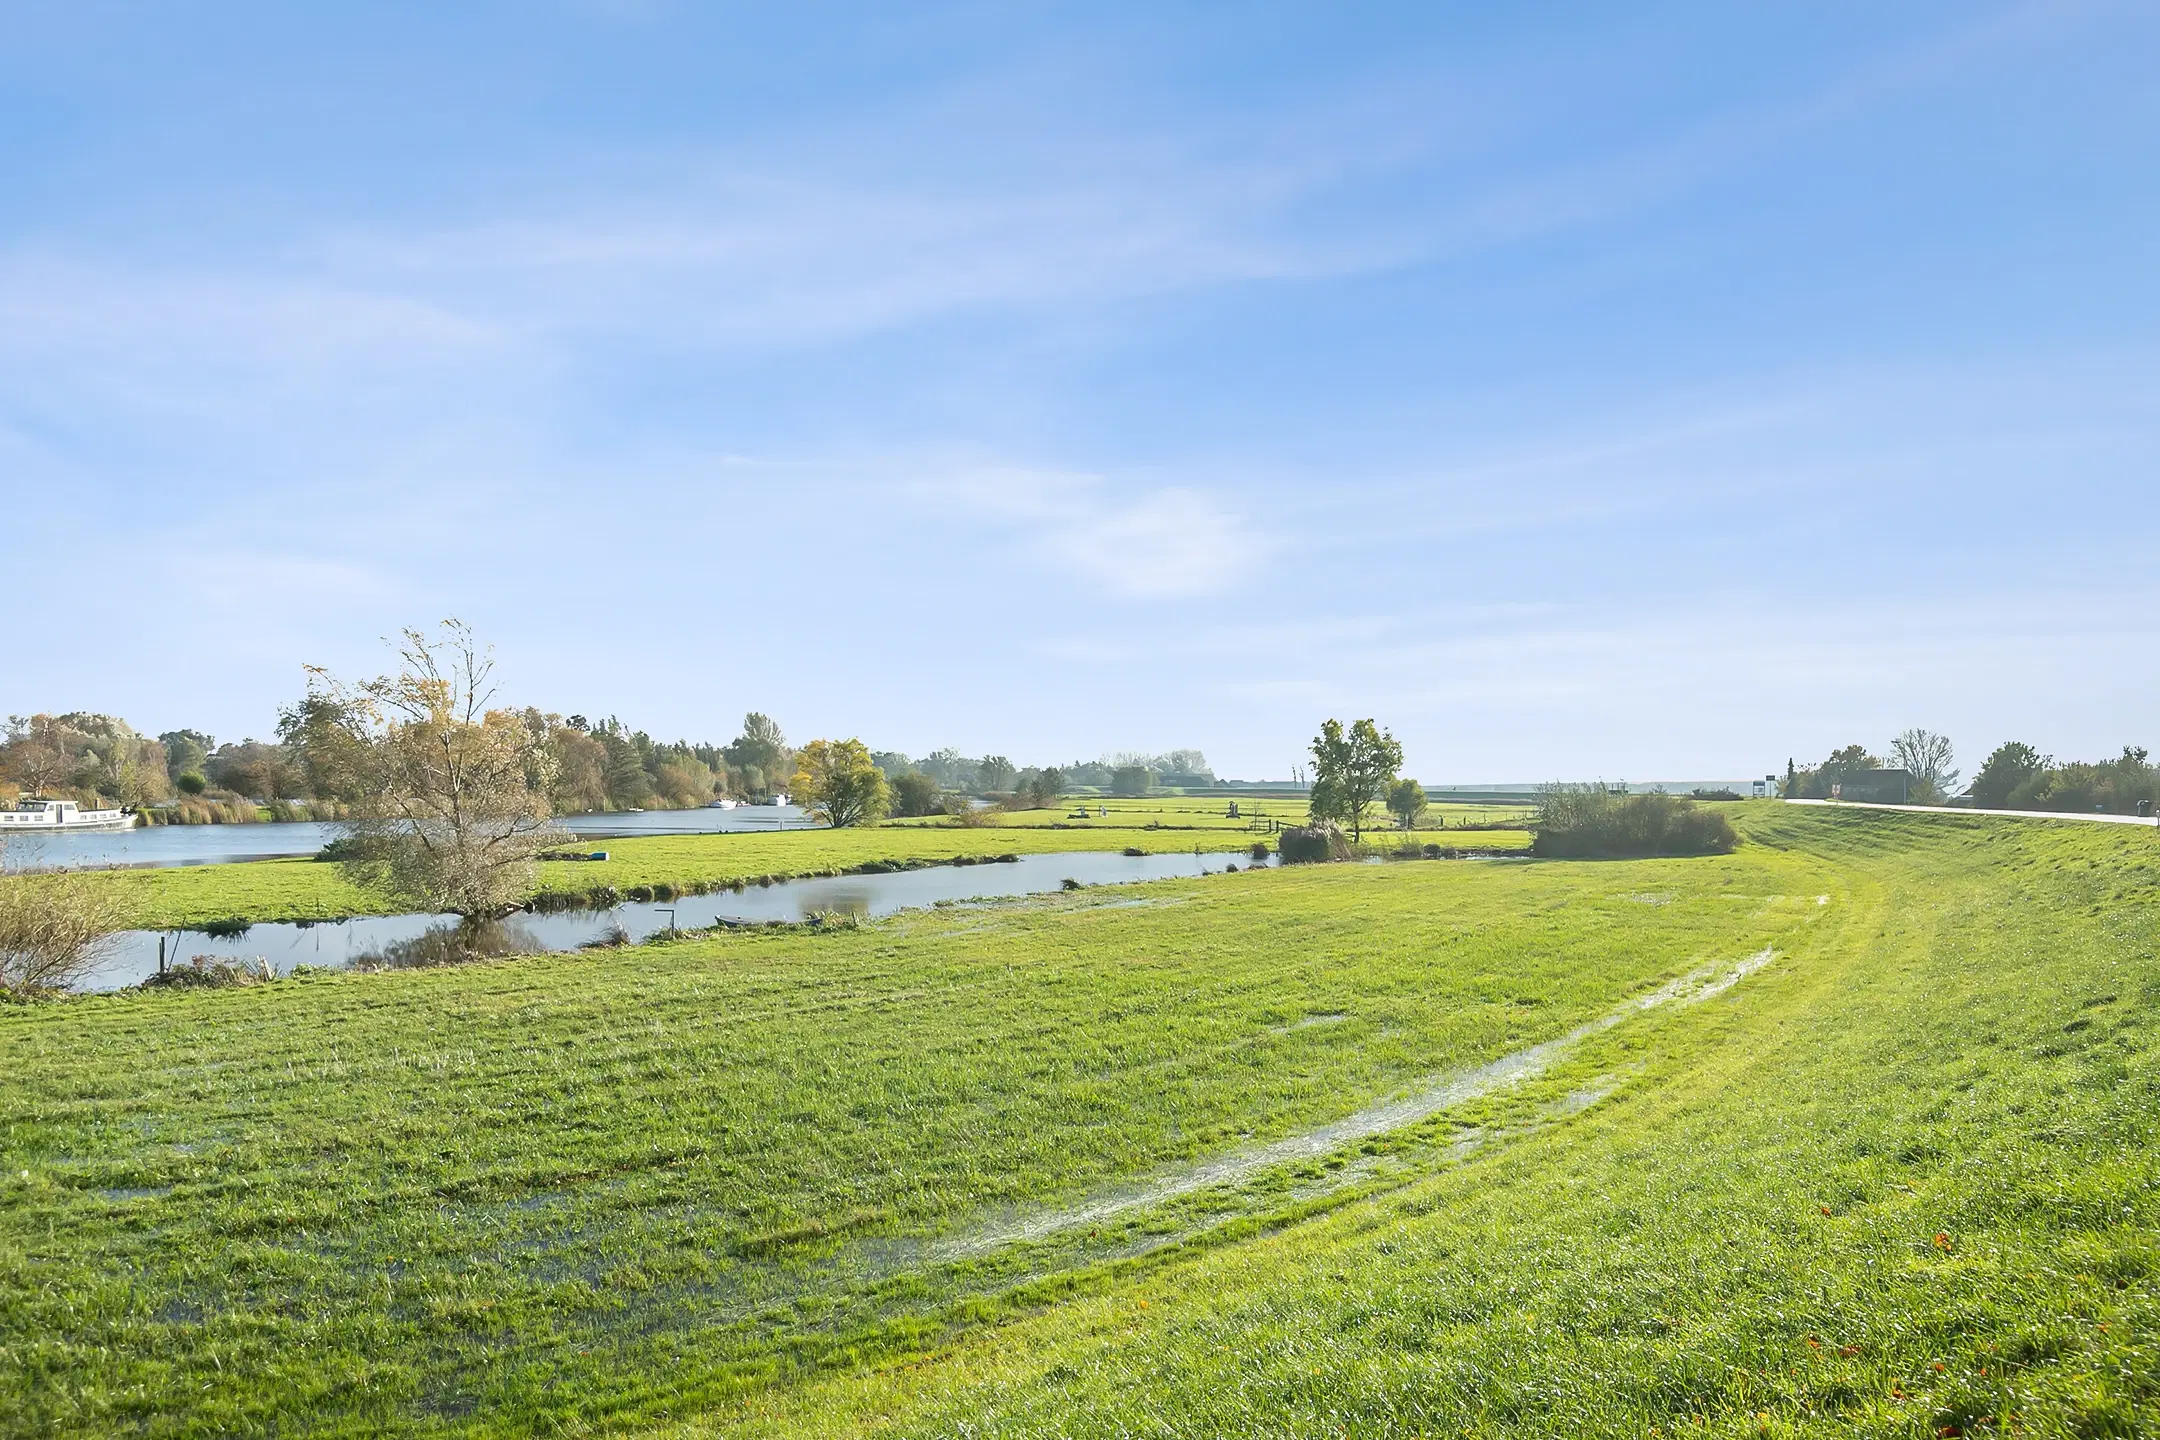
{"x": 453, "y": 944}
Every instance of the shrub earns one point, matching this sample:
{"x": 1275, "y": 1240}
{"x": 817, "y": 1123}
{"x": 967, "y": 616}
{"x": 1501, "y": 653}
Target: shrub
{"x": 916, "y": 794}
{"x": 1311, "y": 844}
{"x": 191, "y": 784}
{"x": 1259, "y": 850}
{"x": 1585, "y": 821}
{"x": 53, "y": 929}
{"x": 209, "y": 973}
{"x": 962, "y": 810}
{"x": 1134, "y": 850}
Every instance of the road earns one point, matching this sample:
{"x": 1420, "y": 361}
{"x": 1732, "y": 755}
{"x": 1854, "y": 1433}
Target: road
{"x": 2013, "y": 814}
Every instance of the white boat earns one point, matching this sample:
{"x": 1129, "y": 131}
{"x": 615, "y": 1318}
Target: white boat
{"x": 41, "y": 815}
{"x": 721, "y": 804}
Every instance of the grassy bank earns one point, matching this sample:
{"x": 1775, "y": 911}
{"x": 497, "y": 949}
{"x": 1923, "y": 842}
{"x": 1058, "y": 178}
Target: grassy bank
{"x": 898, "y": 1179}
{"x": 263, "y": 890}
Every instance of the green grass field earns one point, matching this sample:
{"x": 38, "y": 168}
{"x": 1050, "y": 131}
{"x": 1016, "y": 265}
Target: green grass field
{"x": 1213, "y": 813}
{"x": 1851, "y": 1132}
{"x": 263, "y": 890}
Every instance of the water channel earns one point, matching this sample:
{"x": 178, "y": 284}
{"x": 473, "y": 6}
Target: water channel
{"x": 133, "y": 955}
{"x": 161, "y": 845}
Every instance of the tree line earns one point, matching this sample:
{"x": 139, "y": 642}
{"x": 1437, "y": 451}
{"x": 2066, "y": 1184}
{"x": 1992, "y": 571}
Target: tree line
{"x": 2015, "y": 776}
{"x": 595, "y": 766}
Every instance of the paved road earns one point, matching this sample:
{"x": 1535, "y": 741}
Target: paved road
{"x": 2013, "y": 814}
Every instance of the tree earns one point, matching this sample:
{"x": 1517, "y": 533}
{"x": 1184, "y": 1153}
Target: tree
{"x": 581, "y": 764}
{"x": 1843, "y": 765}
{"x": 995, "y": 772}
{"x": 760, "y": 748}
{"x": 916, "y": 794}
{"x": 449, "y": 797}
{"x": 837, "y": 781}
{"x": 186, "y": 751}
{"x": 36, "y": 755}
{"x": 1926, "y": 756}
{"x": 257, "y": 770}
{"x": 1351, "y": 770}
{"x": 1406, "y": 799}
{"x": 1043, "y": 787}
{"x": 1190, "y": 763}
{"x": 629, "y": 785}
{"x": 684, "y": 781}
{"x": 1131, "y": 780}
{"x": 2013, "y": 764}
{"x": 949, "y": 768}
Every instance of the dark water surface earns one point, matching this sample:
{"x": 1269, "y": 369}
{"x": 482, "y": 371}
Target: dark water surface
{"x": 338, "y": 943}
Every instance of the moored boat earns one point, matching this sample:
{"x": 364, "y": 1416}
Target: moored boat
{"x": 43, "y": 815}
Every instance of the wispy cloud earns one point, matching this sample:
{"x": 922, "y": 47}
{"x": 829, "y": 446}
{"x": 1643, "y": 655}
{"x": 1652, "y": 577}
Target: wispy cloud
{"x": 1133, "y": 541}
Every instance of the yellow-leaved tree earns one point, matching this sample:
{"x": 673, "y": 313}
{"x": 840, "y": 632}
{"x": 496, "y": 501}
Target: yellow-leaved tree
{"x": 837, "y": 781}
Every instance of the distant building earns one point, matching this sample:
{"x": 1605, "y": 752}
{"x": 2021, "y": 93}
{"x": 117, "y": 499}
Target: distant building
{"x": 1876, "y": 787}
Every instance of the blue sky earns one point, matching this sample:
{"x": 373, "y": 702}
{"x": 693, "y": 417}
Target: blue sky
{"x": 1649, "y": 390}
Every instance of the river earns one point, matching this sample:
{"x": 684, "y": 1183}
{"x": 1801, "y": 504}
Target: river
{"x": 161, "y": 845}
{"x": 133, "y": 955}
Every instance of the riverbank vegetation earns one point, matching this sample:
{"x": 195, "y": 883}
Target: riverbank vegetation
{"x": 1848, "y": 1132}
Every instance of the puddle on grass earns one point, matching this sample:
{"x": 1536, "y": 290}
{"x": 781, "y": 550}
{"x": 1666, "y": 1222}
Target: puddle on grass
{"x": 134, "y": 1192}
{"x": 1577, "y": 1101}
{"x": 1372, "y": 1121}
{"x": 830, "y": 1283}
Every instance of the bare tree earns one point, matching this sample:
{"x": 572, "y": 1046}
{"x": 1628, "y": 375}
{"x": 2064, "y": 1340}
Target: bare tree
{"x": 449, "y": 797}
{"x": 1926, "y": 756}
{"x": 54, "y": 928}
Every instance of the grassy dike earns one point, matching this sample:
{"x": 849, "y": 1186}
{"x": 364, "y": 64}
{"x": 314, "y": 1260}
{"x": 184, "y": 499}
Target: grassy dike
{"x": 1900, "y": 1180}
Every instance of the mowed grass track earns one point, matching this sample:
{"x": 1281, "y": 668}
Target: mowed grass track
{"x": 1902, "y": 1183}
{"x": 742, "y": 1184}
